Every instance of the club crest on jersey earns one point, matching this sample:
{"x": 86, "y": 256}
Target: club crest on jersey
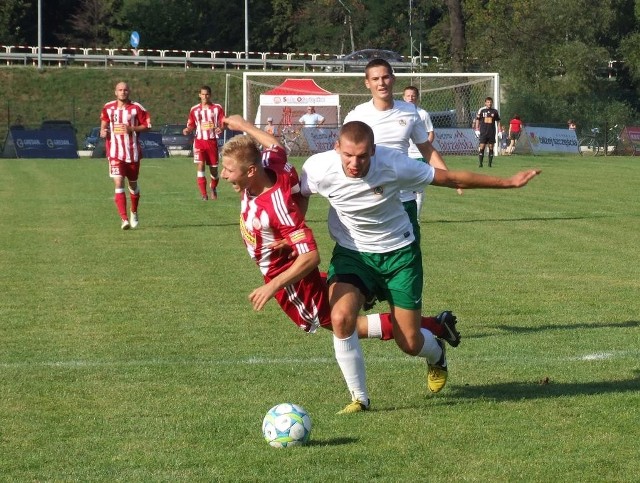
{"x": 402, "y": 122}
{"x": 256, "y": 224}
{"x": 378, "y": 190}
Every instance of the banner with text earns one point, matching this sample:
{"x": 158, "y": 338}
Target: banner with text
{"x": 40, "y": 143}
{"x": 455, "y": 141}
{"x": 547, "y": 140}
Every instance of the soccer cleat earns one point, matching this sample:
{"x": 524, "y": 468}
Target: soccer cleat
{"x": 214, "y": 194}
{"x": 355, "y": 407}
{"x": 125, "y": 225}
{"x": 448, "y": 322}
{"x": 134, "y": 219}
{"x": 437, "y": 374}
{"x": 205, "y": 198}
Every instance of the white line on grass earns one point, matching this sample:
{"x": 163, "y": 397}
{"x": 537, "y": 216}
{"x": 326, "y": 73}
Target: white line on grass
{"x": 283, "y": 361}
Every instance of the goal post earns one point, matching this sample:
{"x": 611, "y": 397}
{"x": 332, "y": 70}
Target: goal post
{"x": 452, "y": 99}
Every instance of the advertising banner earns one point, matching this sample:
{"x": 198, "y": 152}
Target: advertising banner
{"x": 150, "y": 141}
{"x": 455, "y": 141}
{"x": 40, "y": 143}
{"x": 630, "y": 141}
{"x": 547, "y": 140}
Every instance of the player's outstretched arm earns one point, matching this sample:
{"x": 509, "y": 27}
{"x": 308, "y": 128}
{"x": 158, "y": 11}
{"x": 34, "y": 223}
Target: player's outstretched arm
{"x": 300, "y": 268}
{"x": 238, "y": 123}
{"x": 469, "y": 179}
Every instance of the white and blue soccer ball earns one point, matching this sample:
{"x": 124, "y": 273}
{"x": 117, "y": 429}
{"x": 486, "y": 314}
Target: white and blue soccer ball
{"x": 285, "y": 425}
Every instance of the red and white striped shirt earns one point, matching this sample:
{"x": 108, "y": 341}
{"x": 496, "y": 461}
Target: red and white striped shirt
{"x": 205, "y": 120}
{"x": 273, "y": 216}
{"x": 120, "y": 144}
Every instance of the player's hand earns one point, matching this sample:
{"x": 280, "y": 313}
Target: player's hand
{"x": 283, "y": 245}
{"x": 523, "y": 177}
{"x": 477, "y": 133}
{"x": 260, "y": 296}
{"x": 459, "y": 191}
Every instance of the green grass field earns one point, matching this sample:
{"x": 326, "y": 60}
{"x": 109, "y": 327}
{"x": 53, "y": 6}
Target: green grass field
{"x": 135, "y": 356}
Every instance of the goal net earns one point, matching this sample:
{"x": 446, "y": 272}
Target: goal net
{"x": 452, "y": 100}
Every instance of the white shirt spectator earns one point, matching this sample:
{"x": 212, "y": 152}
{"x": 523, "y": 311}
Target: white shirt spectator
{"x": 311, "y": 118}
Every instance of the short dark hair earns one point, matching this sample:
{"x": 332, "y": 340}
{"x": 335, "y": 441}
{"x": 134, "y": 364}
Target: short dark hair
{"x": 206, "y": 88}
{"x": 357, "y": 131}
{"x": 412, "y": 88}
{"x": 378, "y": 63}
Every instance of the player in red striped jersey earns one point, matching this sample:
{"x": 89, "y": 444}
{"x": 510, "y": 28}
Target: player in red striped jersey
{"x": 206, "y": 120}
{"x": 271, "y": 213}
{"x": 120, "y": 123}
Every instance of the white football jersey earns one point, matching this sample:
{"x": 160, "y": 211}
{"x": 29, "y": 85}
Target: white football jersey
{"x": 366, "y": 213}
{"x": 392, "y": 128}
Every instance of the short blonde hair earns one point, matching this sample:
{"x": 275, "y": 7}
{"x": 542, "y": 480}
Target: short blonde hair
{"x": 243, "y": 150}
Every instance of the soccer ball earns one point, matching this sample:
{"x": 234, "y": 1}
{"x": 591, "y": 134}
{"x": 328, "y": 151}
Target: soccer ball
{"x": 285, "y": 425}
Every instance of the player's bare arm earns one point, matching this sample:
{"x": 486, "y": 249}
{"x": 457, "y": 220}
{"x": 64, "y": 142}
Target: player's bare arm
{"x": 468, "y": 179}
{"x": 303, "y": 265}
{"x": 433, "y": 157}
{"x": 238, "y": 123}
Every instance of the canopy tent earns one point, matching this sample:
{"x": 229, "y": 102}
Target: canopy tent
{"x": 288, "y": 102}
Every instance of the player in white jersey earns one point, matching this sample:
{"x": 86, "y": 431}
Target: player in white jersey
{"x": 394, "y": 124}
{"x": 412, "y": 94}
{"x": 375, "y": 251}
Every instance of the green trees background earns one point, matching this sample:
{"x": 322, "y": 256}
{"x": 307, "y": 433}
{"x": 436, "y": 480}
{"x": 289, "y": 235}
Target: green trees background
{"x": 576, "y": 58}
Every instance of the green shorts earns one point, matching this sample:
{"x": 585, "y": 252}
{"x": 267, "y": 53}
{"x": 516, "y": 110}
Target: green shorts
{"x": 411, "y": 207}
{"x": 393, "y": 276}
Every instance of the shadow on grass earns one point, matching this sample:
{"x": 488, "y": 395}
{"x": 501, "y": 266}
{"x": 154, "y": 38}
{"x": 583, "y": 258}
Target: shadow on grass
{"x": 585, "y": 325}
{"x": 545, "y": 388}
{"x": 331, "y": 442}
{"x": 509, "y": 220}
{"x": 540, "y": 328}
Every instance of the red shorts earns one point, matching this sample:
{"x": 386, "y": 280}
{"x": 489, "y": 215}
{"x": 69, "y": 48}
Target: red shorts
{"x": 121, "y": 169}
{"x": 306, "y": 302}
{"x": 207, "y": 153}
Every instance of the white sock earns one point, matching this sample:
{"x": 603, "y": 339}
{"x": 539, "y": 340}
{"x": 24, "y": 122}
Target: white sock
{"x": 351, "y": 361}
{"x": 200, "y": 174}
{"x": 431, "y": 350}
{"x": 374, "y": 326}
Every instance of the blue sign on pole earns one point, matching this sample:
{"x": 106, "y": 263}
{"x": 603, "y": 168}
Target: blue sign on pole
{"x": 135, "y": 39}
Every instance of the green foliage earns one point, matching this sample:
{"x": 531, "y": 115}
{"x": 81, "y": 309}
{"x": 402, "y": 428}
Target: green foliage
{"x": 13, "y": 15}
{"x": 135, "y": 356}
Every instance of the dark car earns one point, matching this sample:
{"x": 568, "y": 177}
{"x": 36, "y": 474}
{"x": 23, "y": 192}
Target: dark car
{"x": 357, "y": 61}
{"x": 174, "y": 140}
{"x": 91, "y": 141}
{"x": 57, "y": 124}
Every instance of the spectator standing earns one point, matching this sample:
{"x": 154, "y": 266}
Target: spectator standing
{"x": 121, "y": 121}
{"x": 311, "y": 118}
{"x": 412, "y": 94}
{"x": 205, "y": 119}
{"x": 571, "y": 124}
{"x": 487, "y": 122}
{"x": 515, "y": 130}
{"x": 271, "y": 128}
{"x": 503, "y": 141}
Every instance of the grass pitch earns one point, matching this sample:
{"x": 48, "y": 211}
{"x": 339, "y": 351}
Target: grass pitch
{"x": 135, "y": 356}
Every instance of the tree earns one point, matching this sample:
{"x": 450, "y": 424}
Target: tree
{"x": 13, "y": 15}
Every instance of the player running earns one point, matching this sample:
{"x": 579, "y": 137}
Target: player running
{"x": 206, "y": 119}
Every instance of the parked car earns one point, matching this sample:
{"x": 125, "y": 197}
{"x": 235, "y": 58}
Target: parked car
{"x": 57, "y": 124}
{"x": 357, "y": 61}
{"x": 174, "y": 140}
{"x": 91, "y": 141}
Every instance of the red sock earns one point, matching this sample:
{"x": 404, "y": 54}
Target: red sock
{"x": 135, "y": 199}
{"x": 432, "y": 325}
{"x": 386, "y": 326}
{"x": 202, "y": 185}
{"x": 121, "y": 203}
{"x": 214, "y": 183}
